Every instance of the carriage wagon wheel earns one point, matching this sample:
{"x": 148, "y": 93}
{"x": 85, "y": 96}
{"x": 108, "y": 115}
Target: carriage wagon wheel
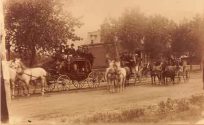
{"x": 51, "y": 80}
{"x": 92, "y": 80}
{"x": 63, "y": 82}
{"x": 78, "y": 84}
{"x": 101, "y": 77}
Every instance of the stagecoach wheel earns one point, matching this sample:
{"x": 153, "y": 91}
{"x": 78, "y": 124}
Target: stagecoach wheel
{"x": 78, "y": 84}
{"x": 92, "y": 80}
{"x": 100, "y": 77}
{"x": 51, "y": 80}
{"x": 63, "y": 82}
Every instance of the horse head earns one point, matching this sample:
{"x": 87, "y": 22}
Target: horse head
{"x": 19, "y": 66}
{"x": 11, "y": 64}
{"x": 111, "y": 63}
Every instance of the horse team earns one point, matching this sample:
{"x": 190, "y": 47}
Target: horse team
{"x": 117, "y": 76}
{"x": 164, "y": 72}
{"x": 26, "y": 76}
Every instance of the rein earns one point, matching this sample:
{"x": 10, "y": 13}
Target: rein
{"x": 21, "y": 73}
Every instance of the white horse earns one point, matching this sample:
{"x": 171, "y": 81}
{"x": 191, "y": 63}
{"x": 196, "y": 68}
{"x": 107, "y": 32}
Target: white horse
{"x": 137, "y": 71}
{"x": 108, "y": 73}
{"x": 122, "y": 73}
{"x": 115, "y": 76}
{"x": 30, "y": 74}
{"x": 12, "y": 73}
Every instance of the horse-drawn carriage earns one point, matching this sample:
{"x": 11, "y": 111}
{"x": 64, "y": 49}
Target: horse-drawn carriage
{"x": 76, "y": 71}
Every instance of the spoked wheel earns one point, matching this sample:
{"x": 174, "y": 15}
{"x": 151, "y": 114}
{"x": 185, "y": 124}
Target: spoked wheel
{"x": 78, "y": 84}
{"x": 51, "y": 81}
{"x": 100, "y": 77}
{"x": 93, "y": 80}
{"x": 63, "y": 83}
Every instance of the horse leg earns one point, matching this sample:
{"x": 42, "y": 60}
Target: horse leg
{"x": 43, "y": 82}
{"x": 123, "y": 84}
{"x": 139, "y": 78}
{"x": 35, "y": 85}
{"x": 112, "y": 86}
{"x": 135, "y": 80}
{"x": 24, "y": 87}
{"x": 108, "y": 85}
{"x": 159, "y": 78}
{"x": 173, "y": 79}
{"x": 27, "y": 83}
{"x": 13, "y": 88}
{"x": 120, "y": 85}
{"x": 152, "y": 79}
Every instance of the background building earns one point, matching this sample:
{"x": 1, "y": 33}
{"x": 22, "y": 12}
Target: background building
{"x": 94, "y": 37}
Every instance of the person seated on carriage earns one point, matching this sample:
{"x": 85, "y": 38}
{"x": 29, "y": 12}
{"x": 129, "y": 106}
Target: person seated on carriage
{"x": 79, "y": 52}
{"x": 67, "y": 50}
{"x": 88, "y": 55}
{"x": 68, "y": 57}
{"x": 72, "y": 50}
{"x": 91, "y": 58}
{"x": 122, "y": 59}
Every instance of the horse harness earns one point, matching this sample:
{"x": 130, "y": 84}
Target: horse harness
{"x": 31, "y": 76}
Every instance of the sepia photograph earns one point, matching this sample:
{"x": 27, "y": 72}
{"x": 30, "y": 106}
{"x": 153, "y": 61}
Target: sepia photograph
{"x": 102, "y": 62}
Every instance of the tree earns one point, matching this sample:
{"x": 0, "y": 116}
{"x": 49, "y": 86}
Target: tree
{"x": 38, "y": 26}
{"x": 186, "y": 37}
{"x": 128, "y": 29}
{"x": 131, "y": 29}
{"x": 158, "y": 36}
{"x": 109, "y": 30}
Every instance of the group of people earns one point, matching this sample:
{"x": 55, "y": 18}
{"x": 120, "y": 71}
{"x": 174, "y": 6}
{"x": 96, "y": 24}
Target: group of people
{"x": 67, "y": 54}
{"x": 131, "y": 59}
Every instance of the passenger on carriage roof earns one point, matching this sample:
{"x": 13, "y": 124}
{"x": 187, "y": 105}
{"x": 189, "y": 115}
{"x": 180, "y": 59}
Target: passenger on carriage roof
{"x": 72, "y": 50}
{"x": 67, "y": 50}
{"x": 79, "y": 52}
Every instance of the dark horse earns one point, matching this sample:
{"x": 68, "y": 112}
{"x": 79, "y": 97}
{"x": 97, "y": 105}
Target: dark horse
{"x": 169, "y": 70}
{"x": 155, "y": 72}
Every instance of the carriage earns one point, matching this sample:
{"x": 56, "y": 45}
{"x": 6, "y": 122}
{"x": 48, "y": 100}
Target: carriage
{"x": 75, "y": 73}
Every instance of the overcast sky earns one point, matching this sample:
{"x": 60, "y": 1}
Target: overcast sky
{"x": 93, "y": 12}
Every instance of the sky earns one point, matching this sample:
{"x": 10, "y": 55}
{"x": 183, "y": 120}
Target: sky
{"x": 94, "y": 12}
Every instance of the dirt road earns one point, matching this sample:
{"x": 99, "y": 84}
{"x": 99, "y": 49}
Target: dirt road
{"x": 61, "y": 107}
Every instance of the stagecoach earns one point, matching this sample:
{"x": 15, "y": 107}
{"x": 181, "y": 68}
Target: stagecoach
{"x": 75, "y": 73}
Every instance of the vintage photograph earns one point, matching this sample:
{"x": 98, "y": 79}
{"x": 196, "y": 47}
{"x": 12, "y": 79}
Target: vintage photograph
{"x": 105, "y": 62}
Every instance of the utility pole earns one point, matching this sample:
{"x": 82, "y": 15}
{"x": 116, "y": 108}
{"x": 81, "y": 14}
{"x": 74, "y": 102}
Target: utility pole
{"x": 116, "y": 47}
{"x": 203, "y": 72}
{"x": 4, "y": 75}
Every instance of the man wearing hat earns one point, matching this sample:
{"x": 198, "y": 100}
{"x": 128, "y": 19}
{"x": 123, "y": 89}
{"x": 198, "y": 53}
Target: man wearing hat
{"x": 72, "y": 50}
{"x": 79, "y": 51}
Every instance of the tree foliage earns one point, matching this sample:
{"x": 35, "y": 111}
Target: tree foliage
{"x": 132, "y": 25}
{"x": 186, "y": 37}
{"x": 38, "y": 26}
{"x": 160, "y": 35}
